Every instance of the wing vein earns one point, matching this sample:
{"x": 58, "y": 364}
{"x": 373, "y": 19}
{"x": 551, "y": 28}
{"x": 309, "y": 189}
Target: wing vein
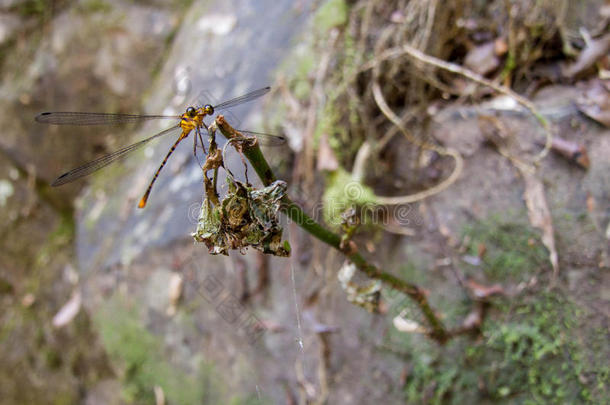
{"x": 87, "y": 118}
{"x": 104, "y": 161}
{"x": 242, "y": 99}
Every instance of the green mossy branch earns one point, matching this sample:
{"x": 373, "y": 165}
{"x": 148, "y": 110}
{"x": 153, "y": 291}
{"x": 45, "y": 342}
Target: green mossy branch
{"x": 437, "y": 330}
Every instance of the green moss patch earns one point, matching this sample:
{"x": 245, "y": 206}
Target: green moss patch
{"x": 140, "y": 355}
{"x": 332, "y": 14}
{"x": 533, "y": 355}
{"x": 513, "y": 250}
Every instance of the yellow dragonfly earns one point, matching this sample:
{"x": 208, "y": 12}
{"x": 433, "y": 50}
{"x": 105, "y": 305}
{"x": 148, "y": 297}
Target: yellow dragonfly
{"x": 191, "y": 120}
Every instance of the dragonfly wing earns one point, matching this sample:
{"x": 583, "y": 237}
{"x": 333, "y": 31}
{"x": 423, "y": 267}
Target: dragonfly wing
{"x": 104, "y": 161}
{"x": 242, "y": 99}
{"x": 266, "y": 139}
{"x": 87, "y": 118}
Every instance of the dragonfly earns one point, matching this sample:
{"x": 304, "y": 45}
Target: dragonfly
{"x": 192, "y": 120}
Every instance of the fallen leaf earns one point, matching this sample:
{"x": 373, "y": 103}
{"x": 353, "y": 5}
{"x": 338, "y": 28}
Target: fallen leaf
{"x": 574, "y": 152}
{"x": 383, "y": 307}
{"x": 398, "y": 17}
{"x": 472, "y": 260}
{"x": 394, "y": 226}
{"x": 326, "y": 156}
{"x": 595, "y": 50}
{"x": 539, "y": 214}
{"x": 442, "y": 262}
{"x": 595, "y": 101}
{"x": 176, "y": 283}
{"x": 67, "y": 313}
{"x": 482, "y": 59}
{"x": 474, "y": 318}
{"x": 500, "y": 46}
{"x": 28, "y": 300}
{"x": 481, "y": 250}
{"x": 480, "y": 291}
{"x": 406, "y": 325}
{"x": 159, "y": 395}
{"x": 495, "y": 132}
{"x": 590, "y": 203}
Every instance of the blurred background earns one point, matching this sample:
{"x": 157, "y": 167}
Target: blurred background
{"x": 104, "y": 303}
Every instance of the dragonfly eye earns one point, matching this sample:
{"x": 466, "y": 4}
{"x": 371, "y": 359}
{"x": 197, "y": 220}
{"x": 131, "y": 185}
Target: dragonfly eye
{"x": 191, "y": 112}
{"x": 208, "y": 109}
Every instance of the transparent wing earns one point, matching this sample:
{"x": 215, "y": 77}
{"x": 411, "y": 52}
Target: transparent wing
{"x": 87, "y": 118}
{"x": 206, "y": 97}
{"x": 104, "y": 161}
{"x": 265, "y": 139}
{"x": 242, "y": 99}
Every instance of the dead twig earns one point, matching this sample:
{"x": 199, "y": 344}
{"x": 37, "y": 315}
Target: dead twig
{"x": 405, "y": 49}
{"x": 459, "y": 162}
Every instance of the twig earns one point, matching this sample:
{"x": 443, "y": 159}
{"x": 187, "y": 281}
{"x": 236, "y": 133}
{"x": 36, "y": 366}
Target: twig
{"x": 253, "y": 153}
{"x": 323, "y": 367}
{"x": 451, "y": 67}
{"x": 459, "y": 162}
{"x": 315, "y": 100}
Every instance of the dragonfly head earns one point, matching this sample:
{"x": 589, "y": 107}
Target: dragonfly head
{"x": 208, "y": 109}
{"x": 191, "y": 112}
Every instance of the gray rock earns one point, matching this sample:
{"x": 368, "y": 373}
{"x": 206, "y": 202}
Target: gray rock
{"x": 8, "y": 27}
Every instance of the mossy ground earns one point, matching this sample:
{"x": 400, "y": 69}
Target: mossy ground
{"x": 530, "y": 351}
{"x": 538, "y": 346}
{"x": 140, "y": 356}
{"x": 56, "y": 365}
{"x": 513, "y": 249}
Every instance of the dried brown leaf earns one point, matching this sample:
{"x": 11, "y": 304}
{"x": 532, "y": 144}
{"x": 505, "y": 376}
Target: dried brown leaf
{"x": 176, "y": 284}
{"x": 326, "y": 156}
{"x": 500, "y": 46}
{"x": 474, "y": 318}
{"x": 28, "y": 300}
{"x": 540, "y": 214}
{"x": 482, "y": 59}
{"x": 590, "y": 203}
{"x": 159, "y": 395}
{"x": 595, "y": 101}
{"x": 480, "y": 291}
{"x": 574, "y": 152}
{"x": 407, "y": 325}
{"x": 67, "y": 313}
{"x": 595, "y": 50}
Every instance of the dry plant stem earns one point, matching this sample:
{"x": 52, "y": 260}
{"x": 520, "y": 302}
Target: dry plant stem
{"x": 262, "y": 267}
{"x": 316, "y": 98}
{"x": 451, "y": 67}
{"x": 306, "y": 389}
{"x": 459, "y": 162}
{"x": 323, "y": 367}
{"x": 437, "y": 330}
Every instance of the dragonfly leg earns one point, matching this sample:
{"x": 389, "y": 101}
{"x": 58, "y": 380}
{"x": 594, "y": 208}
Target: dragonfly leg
{"x": 142, "y": 203}
{"x": 195, "y": 147}
{"x": 201, "y": 139}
